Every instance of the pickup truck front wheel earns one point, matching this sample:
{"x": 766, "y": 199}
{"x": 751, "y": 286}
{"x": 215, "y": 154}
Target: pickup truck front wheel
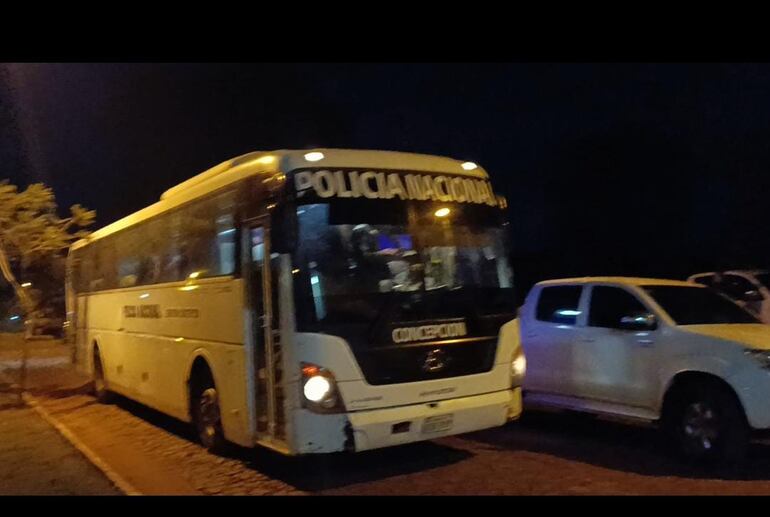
{"x": 707, "y": 422}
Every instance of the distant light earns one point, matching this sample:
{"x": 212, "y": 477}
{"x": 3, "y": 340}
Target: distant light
{"x": 189, "y": 287}
{"x": 144, "y": 295}
{"x": 27, "y": 284}
{"x": 314, "y": 156}
{"x": 295, "y": 271}
{"x": 469, "y": 166}
{"x": 442, "y": 212}
{"x": 195, "y": 274}
{"x": 266, "y": 159}
{"x": 225, "y": 232}
{"x": 13, "y": 318}
{"x": 314, "y": 279}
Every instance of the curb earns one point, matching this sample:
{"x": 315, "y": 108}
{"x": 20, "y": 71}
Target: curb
{"x": 118, "y": 480}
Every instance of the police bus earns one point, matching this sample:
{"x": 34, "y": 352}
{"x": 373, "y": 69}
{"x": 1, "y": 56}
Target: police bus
{"x": 307, "y": 301}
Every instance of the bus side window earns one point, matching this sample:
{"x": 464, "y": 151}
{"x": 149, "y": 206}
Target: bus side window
{"x": 205, "y": 238}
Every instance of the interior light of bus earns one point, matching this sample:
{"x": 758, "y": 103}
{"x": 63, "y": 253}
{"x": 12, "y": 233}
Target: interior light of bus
{"x": 195, "y": 274}
{"x": 442, "y": 212}
{"x": 13, "y": 318}
{"x": 27, "y": 284}
{"x": 266, "y": 159}
{"x": 189, "y": 288}
{"x": 179, "y": 339}
{"x": 314, "y": 156}
{"x": 144, "y": 295}
{"x": 295, "y": 271}
{"x": 469, "y": 166}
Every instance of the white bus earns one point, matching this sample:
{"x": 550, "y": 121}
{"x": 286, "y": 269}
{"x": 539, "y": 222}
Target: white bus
{"x": 307, "y": 301}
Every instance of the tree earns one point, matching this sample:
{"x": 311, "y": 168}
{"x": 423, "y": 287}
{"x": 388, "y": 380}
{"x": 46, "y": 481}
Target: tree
{"x": 32, "y": 234}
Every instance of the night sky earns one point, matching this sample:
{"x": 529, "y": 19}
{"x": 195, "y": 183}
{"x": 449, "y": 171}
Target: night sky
{"x": 609, "y": 169}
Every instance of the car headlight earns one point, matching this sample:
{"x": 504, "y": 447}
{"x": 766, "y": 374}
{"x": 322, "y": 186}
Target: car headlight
{"x": 518, "y": 368}
{"x": 319, "y": 390}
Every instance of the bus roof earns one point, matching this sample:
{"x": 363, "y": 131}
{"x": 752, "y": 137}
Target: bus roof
{"x": 272, "y": 163}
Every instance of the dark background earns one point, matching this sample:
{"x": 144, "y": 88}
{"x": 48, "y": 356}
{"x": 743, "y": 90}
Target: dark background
{"x": 643, "y": 169}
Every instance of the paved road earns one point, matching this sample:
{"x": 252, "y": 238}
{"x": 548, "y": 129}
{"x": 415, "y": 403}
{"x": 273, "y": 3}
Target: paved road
{"x": 36, "y": 460}
{"x": 542, "y": 454}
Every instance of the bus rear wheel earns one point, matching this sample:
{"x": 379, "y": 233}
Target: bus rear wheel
{"x": 206, "y": 414}
{"x": 102, "y": 394}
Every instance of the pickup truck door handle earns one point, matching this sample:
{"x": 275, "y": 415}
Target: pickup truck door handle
{"x": 645, "y": 342}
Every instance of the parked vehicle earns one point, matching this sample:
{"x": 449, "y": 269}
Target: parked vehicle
{"x": 667, "y": 352}
{"x": 748, "y": 288}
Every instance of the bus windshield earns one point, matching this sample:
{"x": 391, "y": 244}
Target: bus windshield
{"x": 420, "y": 261}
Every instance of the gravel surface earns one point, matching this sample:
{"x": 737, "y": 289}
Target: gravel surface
{"x": 541, "y": 454}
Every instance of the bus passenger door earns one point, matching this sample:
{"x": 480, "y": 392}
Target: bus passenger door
{"x": 266, "y": 357}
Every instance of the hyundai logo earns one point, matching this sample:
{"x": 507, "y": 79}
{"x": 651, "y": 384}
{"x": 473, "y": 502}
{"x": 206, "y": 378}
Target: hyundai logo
{"x": 435, "y": 361}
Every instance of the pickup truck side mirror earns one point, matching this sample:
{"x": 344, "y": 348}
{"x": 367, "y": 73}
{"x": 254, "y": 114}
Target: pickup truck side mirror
{"x": 641, "y": 321}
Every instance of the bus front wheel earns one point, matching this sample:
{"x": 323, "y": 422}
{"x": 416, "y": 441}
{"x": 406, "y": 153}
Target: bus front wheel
{"x": 206, "y": 414}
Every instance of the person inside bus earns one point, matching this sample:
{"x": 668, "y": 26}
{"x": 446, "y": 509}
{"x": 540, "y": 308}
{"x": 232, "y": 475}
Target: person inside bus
{"x": 368, "y": 266}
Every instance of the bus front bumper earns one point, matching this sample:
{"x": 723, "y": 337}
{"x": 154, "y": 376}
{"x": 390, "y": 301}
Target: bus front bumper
{"x": 377, "y": 428}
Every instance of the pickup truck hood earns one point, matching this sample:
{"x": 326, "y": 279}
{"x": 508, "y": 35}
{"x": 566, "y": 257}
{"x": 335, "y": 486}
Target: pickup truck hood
{"x": 752, "y": 335}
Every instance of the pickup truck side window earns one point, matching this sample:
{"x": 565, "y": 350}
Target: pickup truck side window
{"x": 559, "y": 304}
{"x": 610, "y": 304}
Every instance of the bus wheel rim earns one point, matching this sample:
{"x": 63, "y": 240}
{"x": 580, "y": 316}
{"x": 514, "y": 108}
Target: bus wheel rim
{"x": 209, "y": 413}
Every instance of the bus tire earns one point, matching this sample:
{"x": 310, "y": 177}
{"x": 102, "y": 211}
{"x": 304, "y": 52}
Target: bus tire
{"x": 707, "y": 422}
{"x": 206, "y": 413}
{"x": 102, "y": 394}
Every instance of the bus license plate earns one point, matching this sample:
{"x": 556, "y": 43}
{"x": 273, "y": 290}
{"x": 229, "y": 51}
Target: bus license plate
{"x": 437, "y": 424}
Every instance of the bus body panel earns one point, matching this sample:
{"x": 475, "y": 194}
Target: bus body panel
{"x": 149, "y": 337}
{"x": 365, "y": 430}
{"x": 334, "y": 353}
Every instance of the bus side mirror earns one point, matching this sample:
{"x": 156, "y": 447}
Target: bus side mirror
{"x": 285, "y": 228}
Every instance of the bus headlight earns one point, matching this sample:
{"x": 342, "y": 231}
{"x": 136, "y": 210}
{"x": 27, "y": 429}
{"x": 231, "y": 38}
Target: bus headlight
{"x": 518, "y": 368}
{"x": 319, "y": 390}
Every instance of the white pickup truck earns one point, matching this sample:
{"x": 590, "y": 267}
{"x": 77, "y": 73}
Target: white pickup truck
{"x": 668, "y": 352}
